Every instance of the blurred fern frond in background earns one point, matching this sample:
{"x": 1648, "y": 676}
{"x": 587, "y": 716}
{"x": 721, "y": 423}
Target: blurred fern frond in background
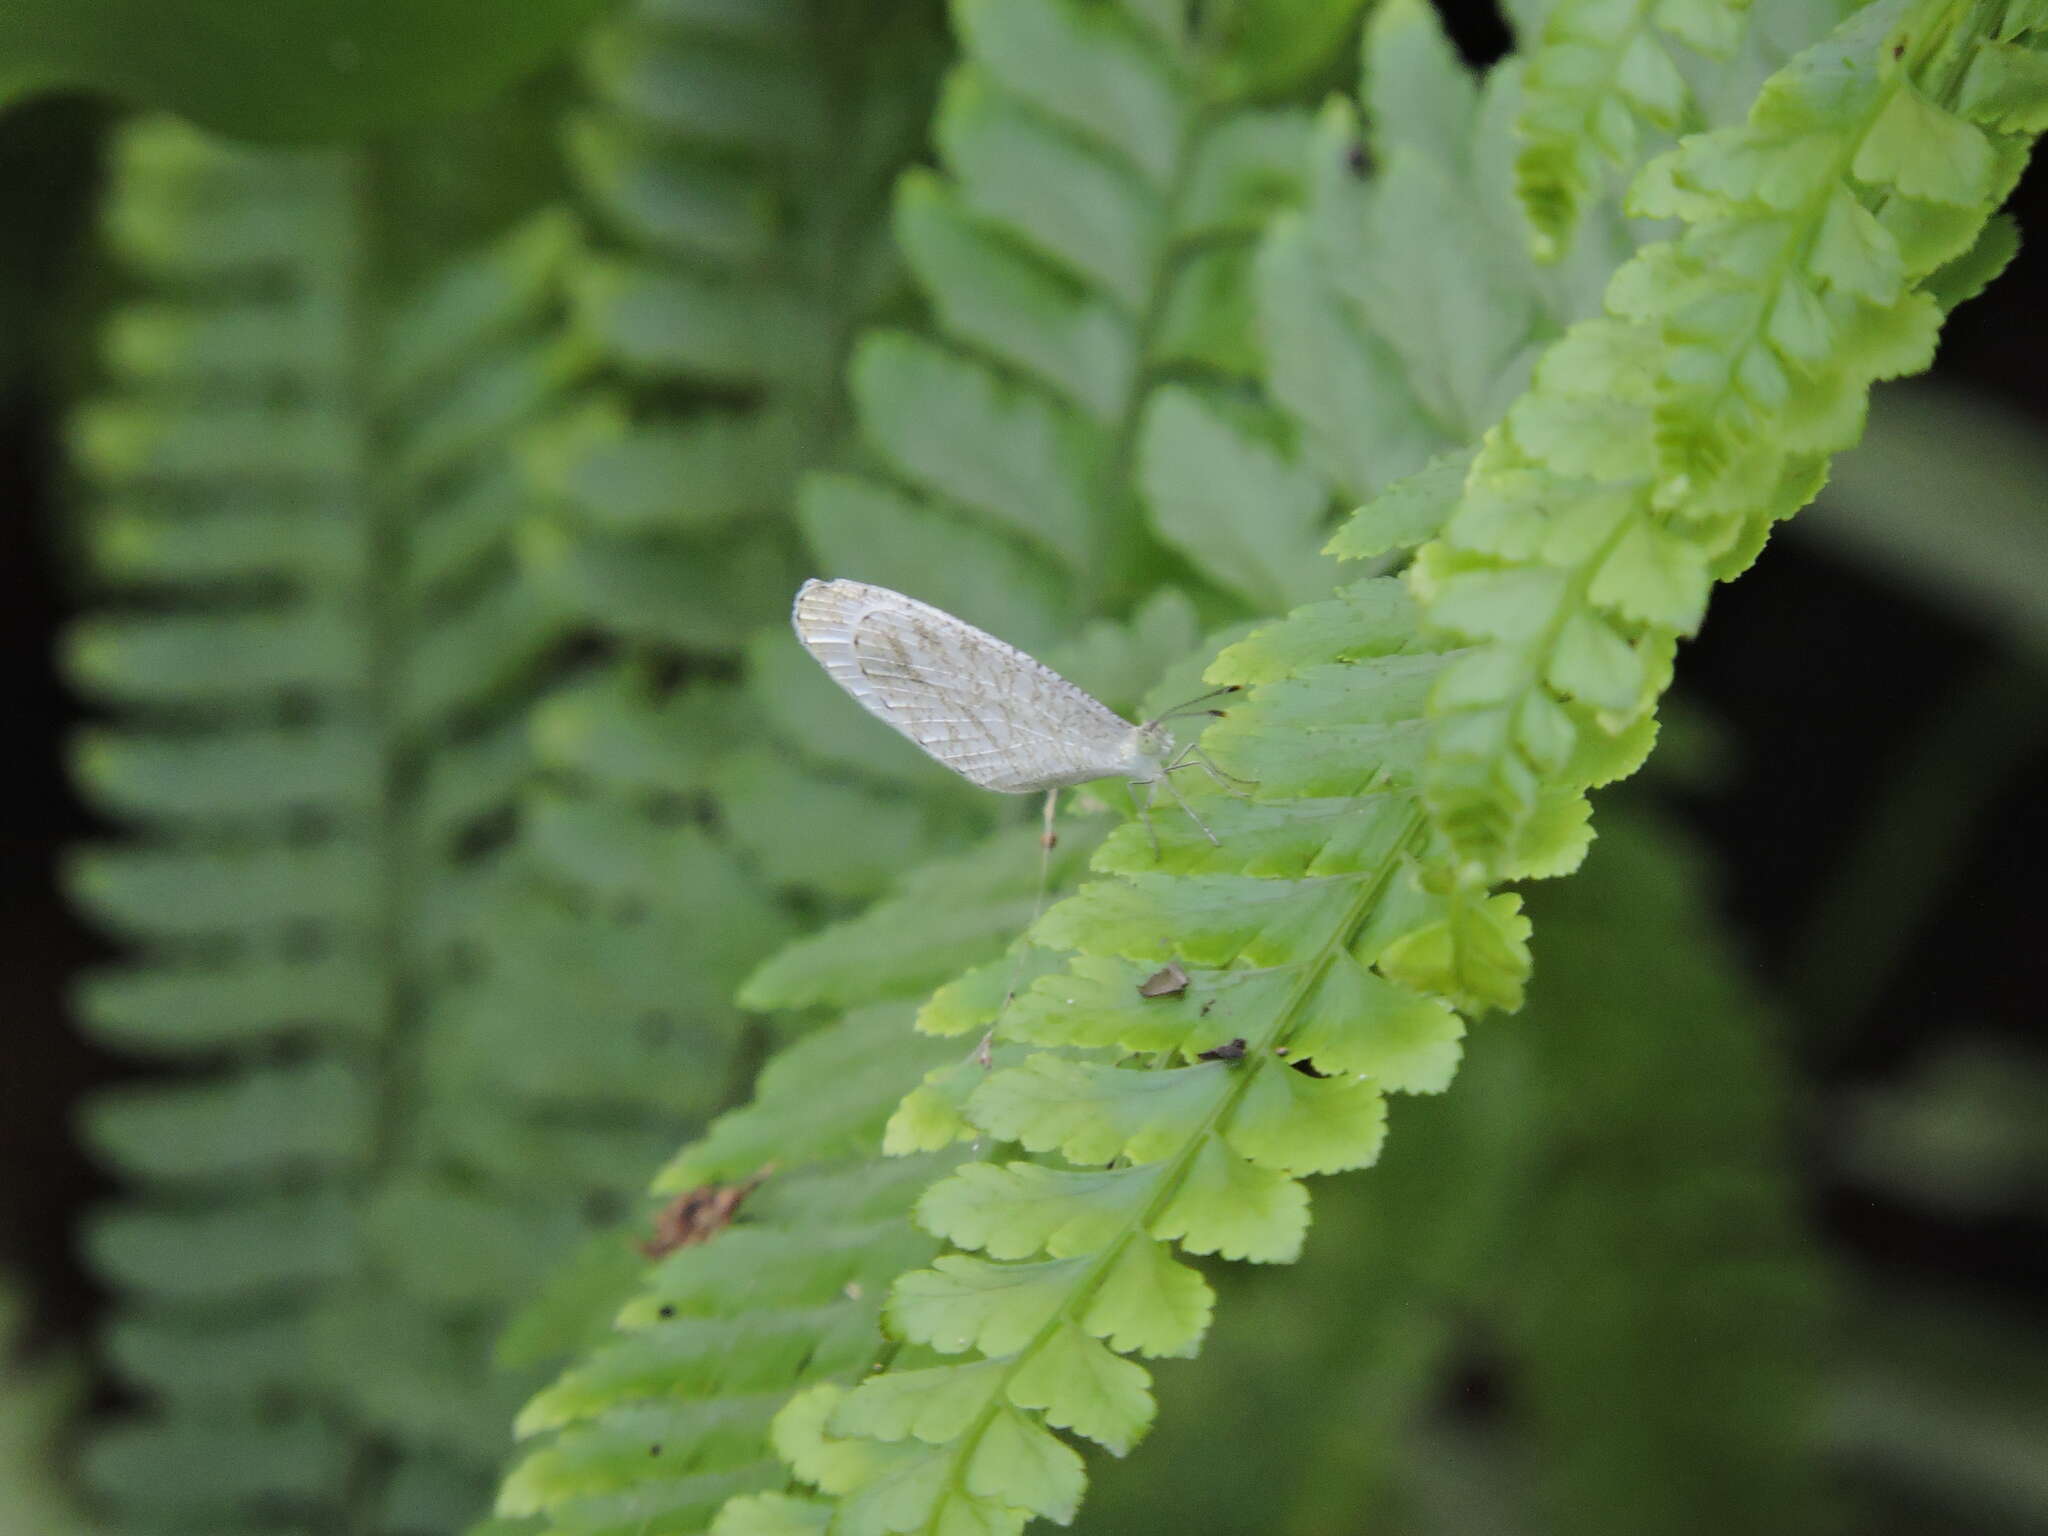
{"x": 736, "y": 170}
{"x": 314, "y": 651}
{"x": 733, "y": 168}
{"x": 40, "y": 1400}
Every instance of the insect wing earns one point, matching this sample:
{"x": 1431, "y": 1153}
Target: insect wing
{"x": 983, "y": 708}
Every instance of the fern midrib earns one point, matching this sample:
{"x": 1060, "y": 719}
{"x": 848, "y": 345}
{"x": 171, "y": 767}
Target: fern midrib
{"x": 825, "y": 407}
{"x": 1114, "y": 489}
{"x": 1612, "y": 60}
{"x": 1575, "y": 598}
{"x": 1795, "y": 255}
{"x": 394, "y": 1059}
{"x": 1342, "y": 934}
{"x": 1577, "y": 591}
{"x": 1805, "y": 231}
{"x": 1961, "y": 39}
{"x": 820, "y": 406}
{"x": 1113, "y": 481}
{"x": 1967, "y": 35}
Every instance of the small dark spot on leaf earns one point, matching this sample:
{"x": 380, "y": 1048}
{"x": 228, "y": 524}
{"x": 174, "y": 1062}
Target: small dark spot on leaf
{"x": 1307, "y": 1068}
{"x": 666, "y": 1311}
{"x": 1357, "y": 160}
{"x": 1230, "y": 1050}
{"x": 654, "y": 1450}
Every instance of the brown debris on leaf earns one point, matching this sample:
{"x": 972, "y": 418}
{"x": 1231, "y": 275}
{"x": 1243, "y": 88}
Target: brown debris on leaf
{"x": 1170, "y": 980}
{"x": 698, "y": 1215}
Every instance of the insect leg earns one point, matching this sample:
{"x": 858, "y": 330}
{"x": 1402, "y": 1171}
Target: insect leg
{"x": 1195, "y": 757}
{"x": 1229, "y": 782}
{"x": 1046, "y": 841}
{"x": 1143, "y": 807}
{"x": 1182, "y": 800}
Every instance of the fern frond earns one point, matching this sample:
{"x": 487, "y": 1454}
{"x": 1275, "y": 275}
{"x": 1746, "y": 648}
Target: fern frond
{"x": 1599, "y": 1213}
{"x": 1329, "y": 928}
{"x": 1208, "y": 1023}
{"x": 1659, "y": 442}
{"x": 1386, "y": 345}
{"x": 1072, "y": 253}
{"x": 40, "y": 1401}
{"x": 1605, "y": 74}
{"x": 733, "y": 163}
{"x": 737, "y": 167}
{"x": 670, "y": 1417}
{"x": 1089, "y": 237}
{"x": 1307, "y": 937}
{"x": 314, "y": 647}
{"x": 1402, "y": 308}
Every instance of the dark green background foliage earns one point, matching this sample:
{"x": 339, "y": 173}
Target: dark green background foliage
{"x": 419, "y": 418}
{"x": 301, "y": 69}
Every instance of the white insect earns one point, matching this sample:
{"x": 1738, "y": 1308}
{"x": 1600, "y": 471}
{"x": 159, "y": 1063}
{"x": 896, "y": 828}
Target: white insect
{"x": 992, "y": 714}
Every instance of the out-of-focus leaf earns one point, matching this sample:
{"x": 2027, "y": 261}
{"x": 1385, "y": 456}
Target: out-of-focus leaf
{"x": 1962, "y": 1134}
{"x": 1944, "y": 1407}
{"x": 37, "y": 1399}
{"x": 1944, "y": 494}
{"x": 1972, "y": 745}
{"x": 285, "y": 69}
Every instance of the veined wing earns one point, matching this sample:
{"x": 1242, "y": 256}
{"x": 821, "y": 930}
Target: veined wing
{"x": 983, "y": 708}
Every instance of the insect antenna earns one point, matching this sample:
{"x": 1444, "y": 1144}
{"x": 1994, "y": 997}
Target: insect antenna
{"x": 1182, "y": 711}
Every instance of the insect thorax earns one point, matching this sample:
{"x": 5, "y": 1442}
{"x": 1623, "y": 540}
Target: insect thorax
{"x": 1148, "y": 749}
